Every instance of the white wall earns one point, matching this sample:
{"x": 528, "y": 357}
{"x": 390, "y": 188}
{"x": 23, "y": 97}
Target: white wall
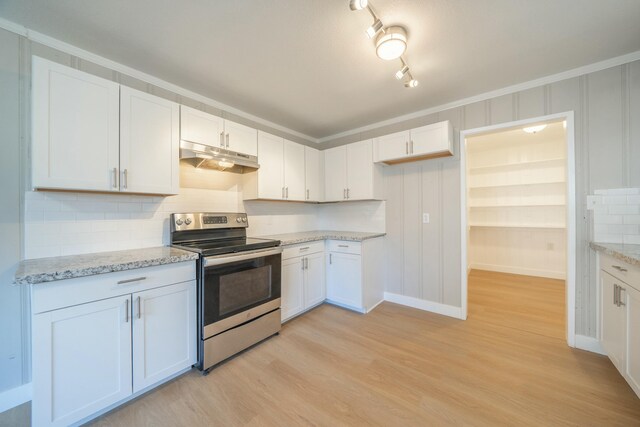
{"x": 607, "y": 136}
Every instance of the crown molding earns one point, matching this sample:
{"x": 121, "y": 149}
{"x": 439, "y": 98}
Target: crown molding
{"x": 553, "y": 78}
{"x": 140, "y": 75}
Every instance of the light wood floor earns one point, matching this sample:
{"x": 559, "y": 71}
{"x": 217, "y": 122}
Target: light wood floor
{"x": 508, "y": 364}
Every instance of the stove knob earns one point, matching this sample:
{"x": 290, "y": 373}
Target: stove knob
{"x": 178, "y": 221}
{"x": 187, "y": 221}
{"x": 244, "y": 219}
{"x": 238, "y": 220}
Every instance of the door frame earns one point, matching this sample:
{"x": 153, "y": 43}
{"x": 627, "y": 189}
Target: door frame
{"x": 571, "y": 236}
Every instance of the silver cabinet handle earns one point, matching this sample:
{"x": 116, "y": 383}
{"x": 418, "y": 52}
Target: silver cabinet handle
{"x": 137, "y": 279}
{"x": 619, "y": 268}
{"x": 227, "y": 140}
{"x": 343, "y": 246}
{"x": 307, "y": 194}
{"x": 126, "y": 311}
{"x": 348, "y": 189}
{"x": 115, "y": 177}
{"x": 306, "y": 263}
{"x": 287, "y": 191}
{"x": 620, "y": 303}
{"x": 125, "y": 178}
{"x": 222, "y": 139}
{"x": 330, "y": 258}
{"x": 139, "y": 308}
{"x": 411, "y": 146}
{"x": 406, "y": 147}
{"x": 615, "y": 295}
{"x": 305, "y": 248}
{"x": 302, "y": 263}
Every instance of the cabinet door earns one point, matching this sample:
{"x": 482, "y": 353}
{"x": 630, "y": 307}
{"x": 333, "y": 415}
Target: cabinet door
{"x": 292, "y": 290}
{"x": 74, "y": 129}
{"x": 344, "y": 279}
{"x": 360, "y": 170}
{"x": 164, "y": 332}
{"x": 393, "y": 146}
{"x": 335, "y": 174}
{"x": 294, "y": 170}
{"x": 241, "y": 138}
{"x": 200, "y": 127}
{"x": 271, "y": 172}
{"x": 81, "y": 360}
{"x": 149, "y": 143}
{"x": 315, "y": 288}
{"x": 313, "y": 174}
{"x": 613, "y": 322}
{"x": 431, "y": 139}
{"x": 632, "y": 300}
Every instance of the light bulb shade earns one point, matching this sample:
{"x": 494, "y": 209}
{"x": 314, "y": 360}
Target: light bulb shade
{"x": 411, "y": 83}
{"x": 534, "y": 129}
{"x": 226, "y": 164}
{"x": 374, "y": 28}
{"x": 391, "y": 43}
{"x": 358, "y": 4}
{"x": 401, "y": 72}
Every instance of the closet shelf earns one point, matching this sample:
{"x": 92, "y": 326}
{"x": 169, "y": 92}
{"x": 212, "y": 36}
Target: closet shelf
{"x": 517, "y": 164}
{"x": 532, "y": 205}
{"x": 547, "y": 226}
{"x": 516, "y": 185}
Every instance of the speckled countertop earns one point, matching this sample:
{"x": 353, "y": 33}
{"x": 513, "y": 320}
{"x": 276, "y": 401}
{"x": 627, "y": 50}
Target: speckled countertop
{"x": 311, "y": 236}
{"x": 33, "y": 271}
{"x": 627, "y": 253}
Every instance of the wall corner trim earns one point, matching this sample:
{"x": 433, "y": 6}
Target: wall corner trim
{"x": 591, "y": 344}
{"x": 420, "y": 304}
{"x": 15, "y": 397}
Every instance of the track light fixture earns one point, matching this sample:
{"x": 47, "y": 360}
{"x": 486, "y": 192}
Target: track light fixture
{"x": 391, "y": 42}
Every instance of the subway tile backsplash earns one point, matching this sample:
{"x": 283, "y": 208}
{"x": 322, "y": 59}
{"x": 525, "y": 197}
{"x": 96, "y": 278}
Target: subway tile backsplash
{"x": 616, "y": 215}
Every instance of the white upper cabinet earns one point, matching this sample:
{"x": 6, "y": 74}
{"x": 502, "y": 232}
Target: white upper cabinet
{"x": 240, "y": 138}
{"x": 426, "y": 142}
{"x": 294, "y": 171}
{"x": 350, "y": 173}
{"x": 74, "y": 129}
{"x": 313, "y": 174}
{"x": 149, "y": 143}
{"x": 335, "y": 174}
{"x": 270, "y": 176}
{"x": 282, "y": 170}
{"x": 200, "y": 127}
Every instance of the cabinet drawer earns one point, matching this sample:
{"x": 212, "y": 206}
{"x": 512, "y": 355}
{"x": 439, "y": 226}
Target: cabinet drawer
{"x": 344, "y": 246}
{"x": 302, "y": 249}
{"x": 621, "y": 270}
{"x": 65, "y": 293}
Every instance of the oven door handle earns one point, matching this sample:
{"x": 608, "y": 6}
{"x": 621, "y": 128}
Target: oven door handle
{"x": 242, "y": 256}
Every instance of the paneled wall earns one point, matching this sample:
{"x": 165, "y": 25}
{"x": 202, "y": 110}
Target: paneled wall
{"x": 607, "y": 135}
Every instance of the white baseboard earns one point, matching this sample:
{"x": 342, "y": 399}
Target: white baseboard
{"x": 375, "y": 305}
{"x": 591, "y": 344}
{"x": 15, "y": 397}
{"x": 434, "y": 307}
{"x": 519, "y": 270}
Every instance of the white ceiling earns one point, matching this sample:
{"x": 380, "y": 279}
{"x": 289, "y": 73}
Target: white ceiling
{"x": 307, "y": 65}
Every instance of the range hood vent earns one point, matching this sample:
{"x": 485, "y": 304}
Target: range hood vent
{"x": 207, "y": 157}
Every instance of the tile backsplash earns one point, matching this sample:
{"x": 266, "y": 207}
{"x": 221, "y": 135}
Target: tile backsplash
{"x": 616, "y": 215}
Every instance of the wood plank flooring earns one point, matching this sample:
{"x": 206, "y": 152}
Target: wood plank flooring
{"x": 508, "y": 364}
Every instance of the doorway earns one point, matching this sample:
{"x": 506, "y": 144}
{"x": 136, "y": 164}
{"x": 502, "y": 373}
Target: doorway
{"x": 518, "y": 225}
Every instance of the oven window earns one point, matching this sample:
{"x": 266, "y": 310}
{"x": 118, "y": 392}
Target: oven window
{"x": 244, "y": 289}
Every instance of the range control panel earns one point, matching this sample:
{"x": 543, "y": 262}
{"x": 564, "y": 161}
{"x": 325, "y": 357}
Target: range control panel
{"x": 207, "y": 220}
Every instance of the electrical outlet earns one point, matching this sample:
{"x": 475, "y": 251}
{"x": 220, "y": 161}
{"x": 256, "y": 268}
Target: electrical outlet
{"x": 425, "y": 218}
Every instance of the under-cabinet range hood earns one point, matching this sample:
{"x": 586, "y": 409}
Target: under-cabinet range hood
{"x": 207, "y": 157}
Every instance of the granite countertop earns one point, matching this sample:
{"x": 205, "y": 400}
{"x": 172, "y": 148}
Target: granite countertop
{"x": 627, "y": 253}
{"x": 33, "y": 271}
{"x": 311, "y": 236}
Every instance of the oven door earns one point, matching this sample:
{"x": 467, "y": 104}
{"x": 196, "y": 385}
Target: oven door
{"x": 239, "y": 287}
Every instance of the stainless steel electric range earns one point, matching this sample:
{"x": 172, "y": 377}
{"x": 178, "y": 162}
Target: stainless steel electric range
{"x": 238, "y": 283}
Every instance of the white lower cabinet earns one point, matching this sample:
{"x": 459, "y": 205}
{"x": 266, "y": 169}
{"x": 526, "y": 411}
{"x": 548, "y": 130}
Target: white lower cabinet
{"x": 620, "y": 314}
{"x": 99, "y": 340}
{"x": 303, "y": 284}
{"x": 354, "y": 274}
